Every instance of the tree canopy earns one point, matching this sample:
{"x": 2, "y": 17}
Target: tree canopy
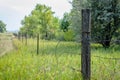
{"x": 41, "y": 20}
{"x": 2, "y": 27}
{"x": 65, "y": 22}
{"x": 76, "y": 18}
{"x": 105, "y": 15}
{"x": 105, "y": 20}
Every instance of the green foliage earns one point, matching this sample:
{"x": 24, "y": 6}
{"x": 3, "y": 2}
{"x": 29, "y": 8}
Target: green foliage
{"x": 2, "y": 27}
{"x": 105, "y": 20}
{"x": 42, "y": 21}
{"x": 69, "y": 35}
{"x": 57, "y": 63}
{"x": 65, "y": 36}
{"x": 65, "y": 22}
{"x": 76, "y": 18}
{"x": 59, "y": 35}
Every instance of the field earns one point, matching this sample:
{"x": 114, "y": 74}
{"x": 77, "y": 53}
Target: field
{"x": 58, "y": 60}
{"x": 5, "y": 43}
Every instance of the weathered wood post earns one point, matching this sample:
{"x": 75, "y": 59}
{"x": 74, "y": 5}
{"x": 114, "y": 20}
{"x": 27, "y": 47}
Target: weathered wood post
{"x": 37, "y": 43}
{"x": 22, "y": 37}
{"x": 26, "y": 39}
{"x": 86, "y": 55}
{"x": 19, "y": 35}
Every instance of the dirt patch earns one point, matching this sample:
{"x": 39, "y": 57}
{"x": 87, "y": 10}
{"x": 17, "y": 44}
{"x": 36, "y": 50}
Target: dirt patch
{"x": 5, "y": 44}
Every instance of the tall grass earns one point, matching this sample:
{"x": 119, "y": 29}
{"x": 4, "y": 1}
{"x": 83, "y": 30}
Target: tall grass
{"x": 57, "y": 61}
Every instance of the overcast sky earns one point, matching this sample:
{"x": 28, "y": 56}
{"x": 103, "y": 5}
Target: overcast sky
{"x": 13, "y": 11}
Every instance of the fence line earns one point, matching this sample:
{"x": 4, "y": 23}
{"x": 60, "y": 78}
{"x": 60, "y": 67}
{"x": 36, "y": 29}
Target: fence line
{"x": 77, "y": 69}
{"x": 85, "y": 55}
{"x": 107, "y": 58}
{"x": 111, "y": 58}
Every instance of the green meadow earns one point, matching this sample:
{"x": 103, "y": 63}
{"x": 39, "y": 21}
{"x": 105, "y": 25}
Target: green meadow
{"x": 58, "y": 60}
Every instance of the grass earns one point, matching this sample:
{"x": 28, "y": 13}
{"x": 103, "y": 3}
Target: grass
{"x": 5, "y": 43}
{"x": 57, "y": 61}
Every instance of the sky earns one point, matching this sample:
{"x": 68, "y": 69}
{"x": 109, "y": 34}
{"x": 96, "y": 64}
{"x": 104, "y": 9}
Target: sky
{"x": 13, "y": 11}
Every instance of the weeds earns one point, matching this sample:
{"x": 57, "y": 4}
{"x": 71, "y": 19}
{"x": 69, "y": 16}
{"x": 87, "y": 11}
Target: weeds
{"x": 24, "y": 64}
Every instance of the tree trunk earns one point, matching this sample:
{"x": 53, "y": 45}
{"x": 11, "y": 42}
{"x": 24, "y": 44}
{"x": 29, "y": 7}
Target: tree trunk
{"x": 106, "y": 43}
{"x": 46, "y": 35}
{"x": 111, "y": 29}
{"x": 107, "y": 36}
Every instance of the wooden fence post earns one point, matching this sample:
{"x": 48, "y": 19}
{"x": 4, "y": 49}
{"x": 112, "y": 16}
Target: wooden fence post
{"x": 26, "y": 39}
{"x": 86, "y": 55}
{"x": 19, "y": 35}
{"x": 37, "y": 43}
{"x": 22, "y": 37}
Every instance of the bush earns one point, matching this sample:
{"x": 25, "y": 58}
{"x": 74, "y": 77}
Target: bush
{"x": 69, "y": 35}
{"x": 59, "y": 35}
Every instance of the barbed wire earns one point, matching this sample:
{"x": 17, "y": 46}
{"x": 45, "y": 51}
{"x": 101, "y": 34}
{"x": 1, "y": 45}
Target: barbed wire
{"x": 110, "y": 58}
{"x": 78, "y": 69}
{"x": 107, "y": 58}
{"x": 114, "y": 41}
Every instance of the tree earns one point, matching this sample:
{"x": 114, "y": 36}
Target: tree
{"x": 29, "y": 25}
{"x": 65, "y": 22}
{"x": 55, "y": 27}
{"x": 76, "y": 16}
{"x": 2, "y": 27}
{"x": 44, "y": 19}
{"x": 40, "y": 21}
{"x": 105, "y": 20}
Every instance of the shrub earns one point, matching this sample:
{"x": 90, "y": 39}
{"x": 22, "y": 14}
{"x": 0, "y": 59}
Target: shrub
{"x": 69, "y": 35}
